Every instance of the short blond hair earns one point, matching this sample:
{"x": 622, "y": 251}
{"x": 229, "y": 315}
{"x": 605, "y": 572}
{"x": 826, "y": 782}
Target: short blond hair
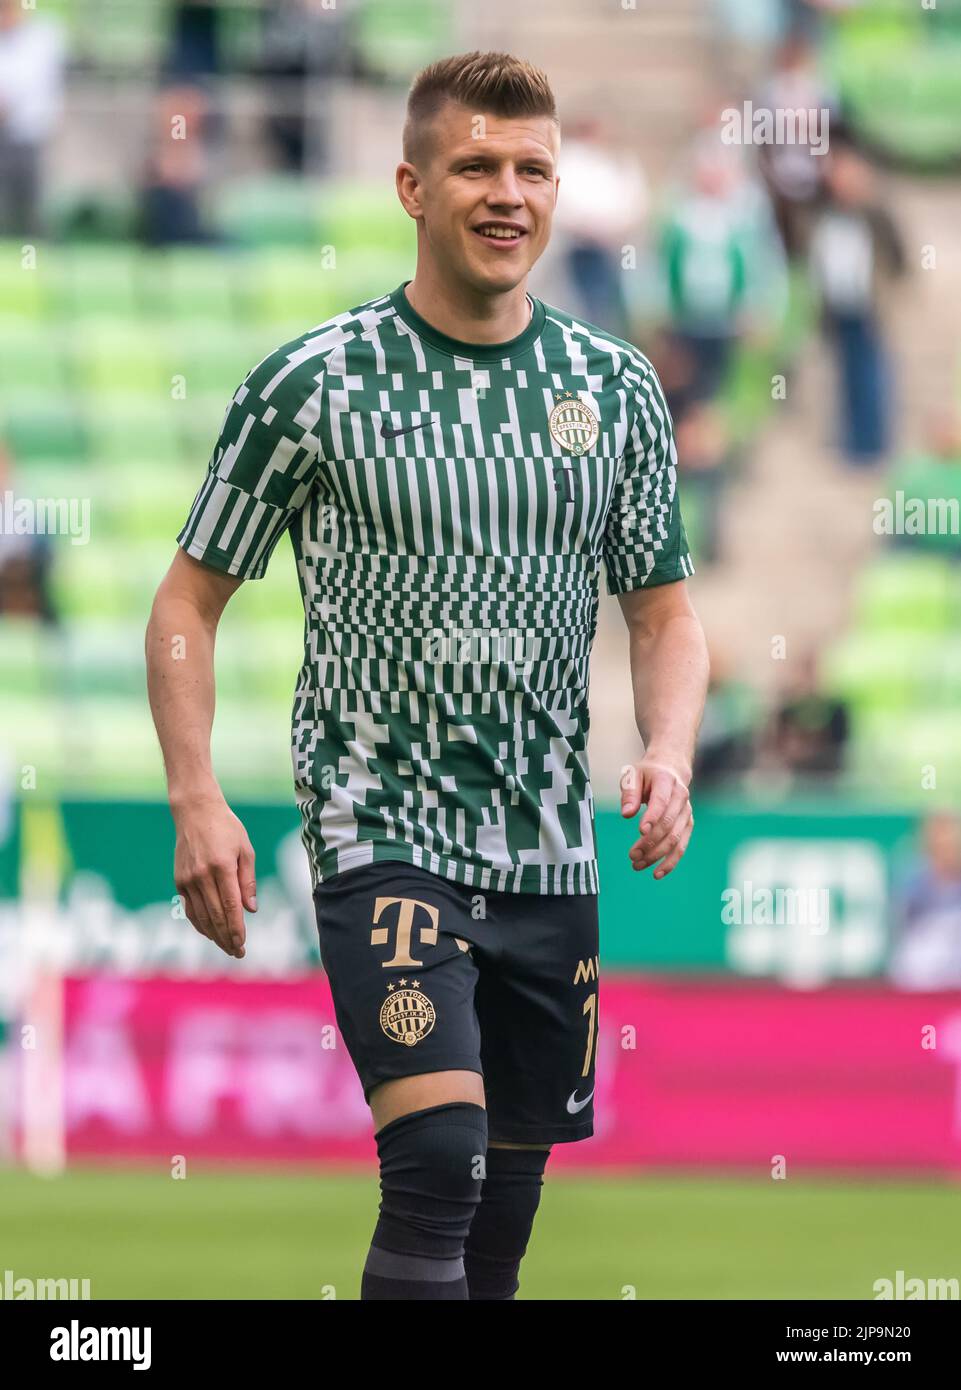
{"x": 494, "y": 83}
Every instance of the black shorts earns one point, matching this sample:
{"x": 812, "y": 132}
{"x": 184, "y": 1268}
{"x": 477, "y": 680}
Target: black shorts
{"x": 429, "y": 975}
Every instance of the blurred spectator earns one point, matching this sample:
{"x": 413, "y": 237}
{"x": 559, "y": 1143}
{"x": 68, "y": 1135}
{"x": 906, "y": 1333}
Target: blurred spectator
{"x": 725, "y": 743}
{"x": 705, "y": 462}
{"x": 793, "y": 172}
{"x": 194, "y": 50}
{"x": 722, "y": 263}
{"x": 808, "y": 734}
{"x": 303, "y": 48}
{"x": 926, "y": 952}
{"x": 24, "y": 563}
{"x": 170, "y": 209}
{"x": 31, "y": 87}
{"x": 855, "y": 251}
{"x": 601, "y": 207}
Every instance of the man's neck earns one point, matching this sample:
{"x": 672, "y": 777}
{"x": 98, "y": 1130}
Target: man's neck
{"x": 466, "y": 315}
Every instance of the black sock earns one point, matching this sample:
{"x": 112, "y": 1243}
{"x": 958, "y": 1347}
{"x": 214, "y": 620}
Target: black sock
{"x": 502, "y": 1224}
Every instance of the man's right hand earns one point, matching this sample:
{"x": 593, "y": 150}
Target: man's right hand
{"x": 214, "y": 871}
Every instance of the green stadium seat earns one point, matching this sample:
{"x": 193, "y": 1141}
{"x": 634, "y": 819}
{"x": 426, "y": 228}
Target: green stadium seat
{"x": 870, "y": 671}
{"x": 96, "y": 282}
{"x": 215, "y": 359}
{"x": 104, "y": 659}
{"x": 190, "y": 283}
{"x": 938, "y": 483}
{"x": 36, "y": 425}
{"x": 897, "y": 755}
{"x": 271, "y": 210}
{"x": 367, "y": 216}
{"x": 912, "y": 592}
{"x": 109, "y": 581}
{"x": 290, "y": 286}
{"x": 30, "y": 659}
{"x": 396, "y": 37}
{"x": 111, "y": 359}
{"x": 141, "y": 431}
{"x": 25, "y": 288}
{"x": 119, "y": 37}
{"x": 33, "y": 358}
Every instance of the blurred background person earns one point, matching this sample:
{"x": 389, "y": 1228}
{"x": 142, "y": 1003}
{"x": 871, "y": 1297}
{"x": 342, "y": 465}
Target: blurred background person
{"x": 793, "y": 169}
{"x": 31, "y": 93}
{"x": 808, "y": 732}
{"x": 171, "y": 196}
{"x": 25, "y": 560}
{"x": 856, "y": 253}
{"x": 601, "y": 215}
{"x": 305, "y": 45}
{"x": 720, "y": 260}
{"x": 927, "y": 904}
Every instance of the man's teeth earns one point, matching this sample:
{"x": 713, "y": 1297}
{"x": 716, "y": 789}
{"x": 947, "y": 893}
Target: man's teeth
{"x": 503, "y": 233}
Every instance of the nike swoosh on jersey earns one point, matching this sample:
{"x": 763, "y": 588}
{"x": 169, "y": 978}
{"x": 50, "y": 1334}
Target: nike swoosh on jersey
{"x": 386, "y": 432}
{"x": 574, "y": 1105}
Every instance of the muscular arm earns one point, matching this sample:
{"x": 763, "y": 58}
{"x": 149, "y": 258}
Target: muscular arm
{"x": 669, "y": 673}
{"x": 214, "y": 860}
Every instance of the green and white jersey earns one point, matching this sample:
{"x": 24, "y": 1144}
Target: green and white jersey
{"x": 450, "y": 505}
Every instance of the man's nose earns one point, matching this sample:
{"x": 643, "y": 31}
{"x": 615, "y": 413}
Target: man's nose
{"x": 506, "y": 190}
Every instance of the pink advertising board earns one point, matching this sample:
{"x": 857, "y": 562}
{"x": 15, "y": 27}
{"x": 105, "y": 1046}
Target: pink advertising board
{"x": 698, "y": 1074}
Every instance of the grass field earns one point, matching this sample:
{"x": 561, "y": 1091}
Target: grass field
{"x": 218, "y": 1234}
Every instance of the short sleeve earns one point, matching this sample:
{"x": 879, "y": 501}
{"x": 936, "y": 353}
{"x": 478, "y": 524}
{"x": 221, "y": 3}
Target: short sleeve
{"x": 261, "y": 471}
{"x": 644, "y": 539}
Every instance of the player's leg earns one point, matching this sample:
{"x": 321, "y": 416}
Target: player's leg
{"x": 402, "y": 982}
{"x": 502, "y": 1224}
{"x": 538, "y": 1071}
{"x": 431, "y": 1133}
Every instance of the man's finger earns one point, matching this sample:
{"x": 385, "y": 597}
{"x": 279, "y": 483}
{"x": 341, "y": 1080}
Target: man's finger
{"x": 663, "y": 808}
{"x": 247, "y": 876}
{"x": 658, "y": 800}
{"x": 664, "y": 836}
{"x": 630, "y": 783}
{"x": 228, "y": 888}
{"x": 677, "y": 853}
{"x": 196, "y": 914}
{"x": 205, "y": 887}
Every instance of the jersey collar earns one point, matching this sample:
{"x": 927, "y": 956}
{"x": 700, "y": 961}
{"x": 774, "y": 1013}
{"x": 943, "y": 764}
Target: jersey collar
{"x": 476, "y": 352}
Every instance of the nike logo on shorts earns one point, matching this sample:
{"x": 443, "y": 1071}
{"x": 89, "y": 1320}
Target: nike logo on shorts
{"x": 574, "y": 1105}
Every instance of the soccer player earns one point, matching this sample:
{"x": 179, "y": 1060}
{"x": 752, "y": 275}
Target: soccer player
{"x": 453, "y": 461}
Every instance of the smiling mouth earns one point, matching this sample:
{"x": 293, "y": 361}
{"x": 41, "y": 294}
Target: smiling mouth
{"x": 497, "y": 234}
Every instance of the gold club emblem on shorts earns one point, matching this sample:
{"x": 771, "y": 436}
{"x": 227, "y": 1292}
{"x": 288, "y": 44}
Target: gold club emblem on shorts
{"x": 573, "y": 424}
{"x": 407, "y": 1015}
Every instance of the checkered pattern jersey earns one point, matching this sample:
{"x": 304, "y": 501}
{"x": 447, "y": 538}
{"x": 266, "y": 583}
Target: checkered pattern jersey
{"x": 450, "y": 506}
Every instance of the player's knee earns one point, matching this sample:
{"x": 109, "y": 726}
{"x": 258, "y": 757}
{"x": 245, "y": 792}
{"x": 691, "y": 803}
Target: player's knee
{"x": 431, "y": 1169}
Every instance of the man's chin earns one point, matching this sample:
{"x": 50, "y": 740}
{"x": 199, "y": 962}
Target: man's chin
{"x": 497, "y": 279}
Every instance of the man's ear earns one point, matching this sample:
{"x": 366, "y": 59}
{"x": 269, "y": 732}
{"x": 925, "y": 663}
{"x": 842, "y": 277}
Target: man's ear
{"x": 407, "y": 182}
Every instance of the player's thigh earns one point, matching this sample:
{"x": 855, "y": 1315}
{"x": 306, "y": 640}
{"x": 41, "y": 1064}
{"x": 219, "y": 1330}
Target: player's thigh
{"x": 392, "y": 1099}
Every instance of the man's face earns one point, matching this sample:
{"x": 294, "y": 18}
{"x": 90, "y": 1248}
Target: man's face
{"x": 484, "y": 192}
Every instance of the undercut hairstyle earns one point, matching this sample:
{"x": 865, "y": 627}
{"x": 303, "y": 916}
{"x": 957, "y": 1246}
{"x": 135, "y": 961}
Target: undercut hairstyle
{"x": 495, "y": 84}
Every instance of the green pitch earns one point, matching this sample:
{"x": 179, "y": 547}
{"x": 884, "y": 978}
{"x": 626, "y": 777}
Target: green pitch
{"x": 217, "y": 1234}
